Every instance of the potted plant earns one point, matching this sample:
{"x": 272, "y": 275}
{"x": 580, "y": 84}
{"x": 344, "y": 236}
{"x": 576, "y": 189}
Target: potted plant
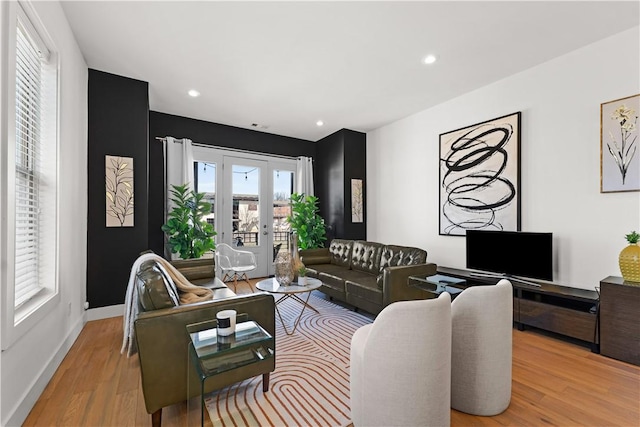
{"x": 629, "y": 258}
{"x": 302, "y": 275}
{"x": 188, "y": 232}
{"x": 305, "y": 221}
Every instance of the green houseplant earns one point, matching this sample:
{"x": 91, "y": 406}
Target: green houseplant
{"x": 189, "y": 234}
{"x": 305, "y": 221}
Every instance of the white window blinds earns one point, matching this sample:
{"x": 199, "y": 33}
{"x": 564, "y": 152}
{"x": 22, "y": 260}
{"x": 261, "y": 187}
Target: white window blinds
{"x": 29, "y": 61}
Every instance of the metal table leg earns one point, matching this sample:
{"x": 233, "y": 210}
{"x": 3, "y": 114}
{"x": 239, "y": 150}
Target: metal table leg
{"x": 304, "y": 303}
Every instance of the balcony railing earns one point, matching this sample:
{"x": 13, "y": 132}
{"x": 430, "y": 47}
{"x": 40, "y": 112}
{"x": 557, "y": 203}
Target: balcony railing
{"x": 250, "y": 238}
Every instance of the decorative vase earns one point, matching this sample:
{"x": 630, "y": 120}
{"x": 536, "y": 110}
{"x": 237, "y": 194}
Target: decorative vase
{"x": 295, "y": 255}
{"x": 629, "y": 261}
{"x": 284, "y": 269}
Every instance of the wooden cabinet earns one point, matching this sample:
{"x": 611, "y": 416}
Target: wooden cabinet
{"x": 620, "y": 319}
{"x": 564, "y": 310}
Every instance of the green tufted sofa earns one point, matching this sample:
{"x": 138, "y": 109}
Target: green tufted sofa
{"x": 367, "y": 275}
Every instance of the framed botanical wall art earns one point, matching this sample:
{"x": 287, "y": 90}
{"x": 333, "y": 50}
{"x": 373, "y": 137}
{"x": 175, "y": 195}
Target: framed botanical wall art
{"x": 480, "y": 177}
{"x": 619, "y": 157}
{"x": 356, "y": 201}
{"x": 119, "y": 191}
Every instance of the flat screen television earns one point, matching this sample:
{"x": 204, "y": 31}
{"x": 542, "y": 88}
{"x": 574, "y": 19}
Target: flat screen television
{"x": 511, "y": 253}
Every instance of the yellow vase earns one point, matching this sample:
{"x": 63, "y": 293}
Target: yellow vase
{"x": 629, "y": 261}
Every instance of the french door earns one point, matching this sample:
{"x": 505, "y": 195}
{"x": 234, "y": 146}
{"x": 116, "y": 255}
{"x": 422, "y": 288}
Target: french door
{"x": 250, "y": 198}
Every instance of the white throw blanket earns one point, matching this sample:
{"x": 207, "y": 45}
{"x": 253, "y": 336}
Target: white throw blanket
{"x": 188, "y": 293}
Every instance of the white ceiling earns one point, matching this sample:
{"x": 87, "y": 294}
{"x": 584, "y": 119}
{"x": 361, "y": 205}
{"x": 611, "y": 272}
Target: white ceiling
{"x": 354, "y": 65}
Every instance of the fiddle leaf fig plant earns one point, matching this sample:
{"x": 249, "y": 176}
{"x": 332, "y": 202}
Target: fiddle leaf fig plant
{"x": 632, "y": 237}
{"x": 188, "y": 232}
{"x": 305, "y": 221}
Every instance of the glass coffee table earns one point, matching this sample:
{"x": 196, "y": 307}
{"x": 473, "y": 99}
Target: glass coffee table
{"x": 437, "y": 284}
{"x": 291, "y": 291}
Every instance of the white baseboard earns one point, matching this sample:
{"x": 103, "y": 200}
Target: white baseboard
{"x": 33, "y": 394}
{"x": 105, "y": 312}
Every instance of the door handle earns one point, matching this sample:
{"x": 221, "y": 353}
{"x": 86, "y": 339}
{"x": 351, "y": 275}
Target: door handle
{"x": 264, "y": 232}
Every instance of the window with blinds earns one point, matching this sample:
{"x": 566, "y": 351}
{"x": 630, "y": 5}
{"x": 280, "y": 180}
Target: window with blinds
{"x": 29, "y": 89}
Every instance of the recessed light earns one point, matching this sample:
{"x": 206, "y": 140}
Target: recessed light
{"x": 319, "y": 123}
{"x": 194, "y": 93}
{"x": 430, "y": 59}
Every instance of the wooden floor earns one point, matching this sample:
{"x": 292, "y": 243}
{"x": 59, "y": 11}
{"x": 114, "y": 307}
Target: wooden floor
{"x": 555, "y": 383}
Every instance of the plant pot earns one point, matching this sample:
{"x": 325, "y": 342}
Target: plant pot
{"x": 629, "y": 261}
{"x": 302, "y": 281}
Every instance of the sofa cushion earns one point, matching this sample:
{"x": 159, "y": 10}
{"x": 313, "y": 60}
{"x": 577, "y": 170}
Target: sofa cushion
{"x": 366, "y": 256}
{"x": 333, "y": 280}
{"x": 315, "y": 269}
{"x": 364, "y": 287}
{"x": 393, "y": 256}
{"x": 340, "y": 251}
{"x": 154, "y": 287}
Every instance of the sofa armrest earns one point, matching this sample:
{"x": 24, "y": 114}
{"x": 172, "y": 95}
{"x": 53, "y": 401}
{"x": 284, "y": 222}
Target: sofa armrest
{"x": 163, "y": 342}
{"x": 395, "y": 282}
{"x": 315, "y": 256}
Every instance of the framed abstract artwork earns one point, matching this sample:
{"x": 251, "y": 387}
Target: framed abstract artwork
{"x": 619, "y": 157}
{"x": 480, "y": 177}
{"x": 119, "y": 191}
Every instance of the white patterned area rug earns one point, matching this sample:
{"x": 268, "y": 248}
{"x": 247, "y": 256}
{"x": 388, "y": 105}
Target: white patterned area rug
{"x": 310, "y": 385}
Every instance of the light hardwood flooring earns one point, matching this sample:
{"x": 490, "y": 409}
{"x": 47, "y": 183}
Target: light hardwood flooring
{"x": 555, "y": 383}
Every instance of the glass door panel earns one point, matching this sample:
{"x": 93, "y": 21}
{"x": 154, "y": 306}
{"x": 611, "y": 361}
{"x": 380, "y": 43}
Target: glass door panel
{"x": 246, "y": 205}
{"x": 282, "y": 189}
{"x": 205, "y": 182}
{"x": 283, "y": 178}
{"x": 245, "y": 208}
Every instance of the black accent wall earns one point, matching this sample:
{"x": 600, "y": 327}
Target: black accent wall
{"x": 118, "y": 119}
{"x": 341, "y": 157}
{"x": 161, "y": 125}
{"x": 120, "y": 124}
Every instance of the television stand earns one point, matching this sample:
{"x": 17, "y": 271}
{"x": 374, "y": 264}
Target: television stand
{"x": 505, "y": 276}
{"x": 563, "y": 310}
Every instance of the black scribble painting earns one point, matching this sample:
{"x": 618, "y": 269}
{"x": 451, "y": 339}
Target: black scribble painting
{"x": 480, "y": 177}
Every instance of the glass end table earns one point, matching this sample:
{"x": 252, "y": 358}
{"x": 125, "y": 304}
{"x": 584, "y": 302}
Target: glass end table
{"x": 213, "y": 354}
{"x": 437, "y": 284}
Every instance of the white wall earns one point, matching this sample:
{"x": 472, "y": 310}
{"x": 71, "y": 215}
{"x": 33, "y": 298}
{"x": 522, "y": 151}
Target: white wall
{"x": 560, "y": 103}
{"x": 30, "y": 362}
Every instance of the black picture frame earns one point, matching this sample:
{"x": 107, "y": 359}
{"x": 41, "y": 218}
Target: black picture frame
{"x": 479, "y": 177}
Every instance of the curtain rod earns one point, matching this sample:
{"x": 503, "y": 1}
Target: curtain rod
{"x": 235, "y": 150}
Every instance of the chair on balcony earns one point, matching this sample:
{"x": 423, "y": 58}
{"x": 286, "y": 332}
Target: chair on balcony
{"x": 276, "y": 249}
{"x": 234, "y": 264}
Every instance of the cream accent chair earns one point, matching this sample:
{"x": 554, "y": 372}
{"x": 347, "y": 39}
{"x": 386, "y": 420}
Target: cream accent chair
{"x": 482, "y": 323}
{"x": 235, "y": 264}
{"x": 401, "y": 366}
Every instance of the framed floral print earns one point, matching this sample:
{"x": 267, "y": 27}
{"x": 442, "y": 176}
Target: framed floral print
{"x": 619, "y": 157}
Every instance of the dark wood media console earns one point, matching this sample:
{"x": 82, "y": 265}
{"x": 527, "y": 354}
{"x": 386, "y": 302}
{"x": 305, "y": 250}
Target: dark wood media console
{"x": 619, "y": 324}
{"x": 560, "y": 309}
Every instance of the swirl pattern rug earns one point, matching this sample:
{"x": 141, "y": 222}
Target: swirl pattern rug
{"x": 310, "y": 385}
